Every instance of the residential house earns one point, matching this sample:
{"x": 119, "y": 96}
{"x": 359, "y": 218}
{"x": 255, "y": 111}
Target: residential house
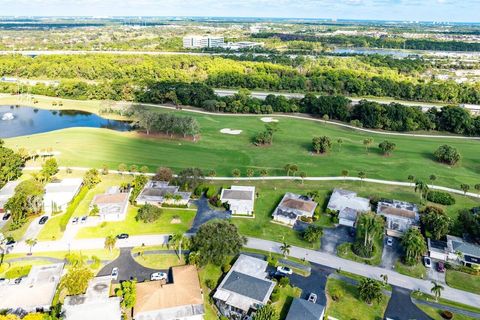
{"x": 180, "y": 300}
{"x": 244, "y": 289}
{"x": 293, "y": 207}
{"x": 240, "y": 199}
{"x": 112, "y": 205}
{"x": 348, "y": 205}
{"x": 59, "y": 194}
{"x": 96, "y": 303}
{"x": 6, "y": 193}
{"x": 455, "y": 250}
{"x": 399, "y": 215}
{"x": 302, "y": 309}
{"x": 35, "y": 292}
{"x": 159, "y": 192}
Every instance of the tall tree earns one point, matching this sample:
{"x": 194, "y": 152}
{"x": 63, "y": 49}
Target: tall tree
{"x": 414, "y": 246}
{"x": 179, "y": 242}
{"x": 321, "y": 144}
{"x": 422, "y": 188}
{"x": 285, "y": 249}
{"x": 266, "y": 312}
{"x": 76, "y": 280}
{"x": 110, "y": 242}
{"x": 370, "y": 290}
{"x": 437, "y": 290}
{"x": 435, "y": 222}
{"x": 369, "y": 227}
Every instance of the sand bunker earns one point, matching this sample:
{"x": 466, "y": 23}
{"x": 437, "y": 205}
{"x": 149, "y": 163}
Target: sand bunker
{"x": 230, "y": 131}
{"x": 269, "y": 119}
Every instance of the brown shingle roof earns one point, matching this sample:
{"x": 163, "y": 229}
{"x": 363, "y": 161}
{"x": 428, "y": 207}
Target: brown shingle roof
{"x": 304, "y": 205}
{"x": 185, "y": 290}
{"x": 397, "y": 212}
{"x": 110, "y": 198}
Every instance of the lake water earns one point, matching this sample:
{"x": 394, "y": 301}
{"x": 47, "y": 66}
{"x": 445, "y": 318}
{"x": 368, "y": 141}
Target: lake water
{"x": 28, "y": 120}
{"x": 369, "y": 51}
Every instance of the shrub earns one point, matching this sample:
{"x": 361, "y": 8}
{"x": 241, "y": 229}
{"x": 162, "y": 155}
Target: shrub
{"x": 440, "y": 197}
{"x": 272, "y": 261}
{"x": 337, "y": 293}
{"x": 447, "y": 314}
{"x": 284, "y": 281}
{"x": 226, "y": 267}
{"x": 210, "y": 284}
{"x": 211, "y": 191}
{"x": 447, "y": 154}
{"x": 148, "y": 213}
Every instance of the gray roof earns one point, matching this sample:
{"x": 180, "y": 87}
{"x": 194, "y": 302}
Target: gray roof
{"x": 466, "y": 248}
{"x": 348, "y": 214}
{"x": 237, "y": 194}
{"x": 301, "y": 309}
{"x": 246, "y": 285}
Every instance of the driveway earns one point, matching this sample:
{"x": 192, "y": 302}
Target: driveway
{"x": 33, "y": 229}
{"x": 128, "y": 268}
{"x": 332, "y": 237}
{"x": 316, "y": 282}
{"x": 205, "y": 213}
{"x": 434, "y": 275}
{"x": 391, "y": 254}
{"x": 401, "y": 307}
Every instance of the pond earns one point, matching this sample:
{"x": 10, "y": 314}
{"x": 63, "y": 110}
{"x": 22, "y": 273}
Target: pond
{"x": 20, "y": 121}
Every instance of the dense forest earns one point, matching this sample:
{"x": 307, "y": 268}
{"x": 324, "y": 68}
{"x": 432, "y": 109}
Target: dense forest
{"x": 377, "y": 42}
{"x": 116, "y": 77}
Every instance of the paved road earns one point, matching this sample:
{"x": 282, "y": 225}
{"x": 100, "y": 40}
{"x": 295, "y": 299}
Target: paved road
{"x": 205, "y": 214}
{"x": 128, "y": 268}
{"x": 401, "y": 307}
{"x": 315, "y": 283}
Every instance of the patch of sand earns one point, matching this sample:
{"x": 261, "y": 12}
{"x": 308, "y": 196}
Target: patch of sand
{"x": 230, "y": 131}
{"x": 269, "y": 119}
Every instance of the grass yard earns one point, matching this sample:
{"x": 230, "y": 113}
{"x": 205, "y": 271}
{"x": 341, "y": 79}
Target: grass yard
{"x": 416, "y": 271}
{"x": 209, "y": 273}
{"x": 16, "y": 234}
{"x": 349, "y": 306}
{"x": 224, "y": 152}
{"x": 463, "y": 281}
{"x": 345, "y": 251}
{"x": 160, "y": 261}
{"x": 436, "y": 314}
{"x": 102, "y": 254}
{"x": 285, "y": 298}
{"x": 162, "y": 226}
{"x": 13, "y": 270}
{"x": 427, "y": 297}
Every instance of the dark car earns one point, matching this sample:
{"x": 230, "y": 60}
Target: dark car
{"x": 18, "y": 280}
{"x": 122, "y": 236}
{"x": 43, "y": 220}
{"x": 441, "y": 266}
{"x": 6, "y": 216}
{"x": 11, "y": 243}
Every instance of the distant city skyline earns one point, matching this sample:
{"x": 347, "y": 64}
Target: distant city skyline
{"x": 404, "y": 10}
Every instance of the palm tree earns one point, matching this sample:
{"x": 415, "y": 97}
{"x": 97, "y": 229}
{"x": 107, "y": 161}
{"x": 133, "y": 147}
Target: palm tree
{"x": 340, "y": 142}
{"x": 436, "y": 290}
{"x": 345, "y": 173}
{"x": 370, "y": 290}
{"x": 179, "y": 241}
{"x": 287, "y": 168}
{"x": 285, "y": 248}
{"x": 294, "y": 169}
{"x": 302, "y": 175}
{"x": 362, "y": 175}
{"x": 465, "y": 188}
{"x": 432, "y": 178}
{"x": 250, "y": 172}
{"x": 367, "y": 143}
{"x": 110, "y": 242}
{"x": 411, "y": 178}
{"x": 236, "y": 173}
{"x": 263, "y": 172}
{"x": 370, "y": 226}
{"x": 194, "y": 258}
{"x": 31, "y": 243}
{"x": 422, "y": 188}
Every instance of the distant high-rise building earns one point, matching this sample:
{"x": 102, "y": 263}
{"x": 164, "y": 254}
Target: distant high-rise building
{"x": 196, "y": 42}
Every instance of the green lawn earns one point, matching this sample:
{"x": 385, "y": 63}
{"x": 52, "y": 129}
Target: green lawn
{"x": 214, "y": 273}
{"x": 162, "y": 226}
{"x": 428, "y": 297}
{"x": 160, "y": 261}
{"x": 463, "y": 281}
{"x": 224, "y": 152}
{"x": 349, "y": 306}
{"x": 102, "y": 254}
{"x": 285, "y": 298}
{"x": 12, "y": 270}
{"x": 435, "y": 314}
{"x": 345, "y": 251}
{"x": 16, "y": 234}
{"x": 416, "y": 271}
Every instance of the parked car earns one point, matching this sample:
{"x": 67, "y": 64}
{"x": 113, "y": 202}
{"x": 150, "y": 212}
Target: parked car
{"x": 75, "y": 220}
{"x": 3, "y": 281}
{"x": 18, "y": 280}
{"x": 158, "y": 276}
{"x": 10, "y": 243}
{"x": 6, "y": 216}
{"x": 441, "y": 266}
{"x": 284, "y": 270}
{"x": 312, "y": 298}
{"x": 114, "y": 273}
{"x": 427, "y": 262}
{"x": 389, "y": 241}
{"x": 43, "y": 220}
{"x": 122, "y": 236}
{"x": 84, "y": 219}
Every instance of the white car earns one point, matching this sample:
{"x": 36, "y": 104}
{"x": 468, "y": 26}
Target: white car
{"x": 389, "y": 241}
{"x": 158, "y": 276}
{"x": 284, "y": 270}
{"x": 312, "y": 298}
{"x": 114, "y": 273}
{"x": 427, "y": 262}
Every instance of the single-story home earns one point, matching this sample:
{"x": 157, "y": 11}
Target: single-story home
{"x": 348, "y": 205}
{"x": 59, "y": 194}
{"x": 159, "y": 192}
{"x": 96, "y": 303}
{"x": 244, "y": 289}
{"x": 6, "y": 193}
{"x": 293, "y": 207}
{"x": 399, "y": 215}
{"x": 180, "y": 300}
{"x": 112, "y": 205}
{"x": 455, "y": 250}
{"x": 240, "y": 199}
{"x": 302, "y": 309}
{"x": 35, "y": 292}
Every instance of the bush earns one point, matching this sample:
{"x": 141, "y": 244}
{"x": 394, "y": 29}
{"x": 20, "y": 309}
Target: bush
{"x": 199, "y": 190}
{"x": 275, "y": 295}
{"x": 284, "y": 281}
{"x": 447, "y": 314}
{"x": 210, "y": 192}
{"x": 337, "y": 293}
{"x": 440, "y": 197}
{"x": 272, "y": 261}
{"x": 148, "y": 213}
{"x": 447, "y": 154}
{"x": 226, "y": 267}
{"x": 210, "y": 283}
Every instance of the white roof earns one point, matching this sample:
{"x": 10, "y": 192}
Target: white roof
{"x": 61, "y": 192}
{"x": 7, "y": 191}
{"x": 35, "y": 291}
{"x": 342, "y": 199}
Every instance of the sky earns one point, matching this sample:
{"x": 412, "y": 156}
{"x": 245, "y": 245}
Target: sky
{"x": 407, "y": 10}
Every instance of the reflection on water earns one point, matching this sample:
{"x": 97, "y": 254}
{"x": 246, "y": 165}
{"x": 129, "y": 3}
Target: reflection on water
{"x": 27, "y": 120}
